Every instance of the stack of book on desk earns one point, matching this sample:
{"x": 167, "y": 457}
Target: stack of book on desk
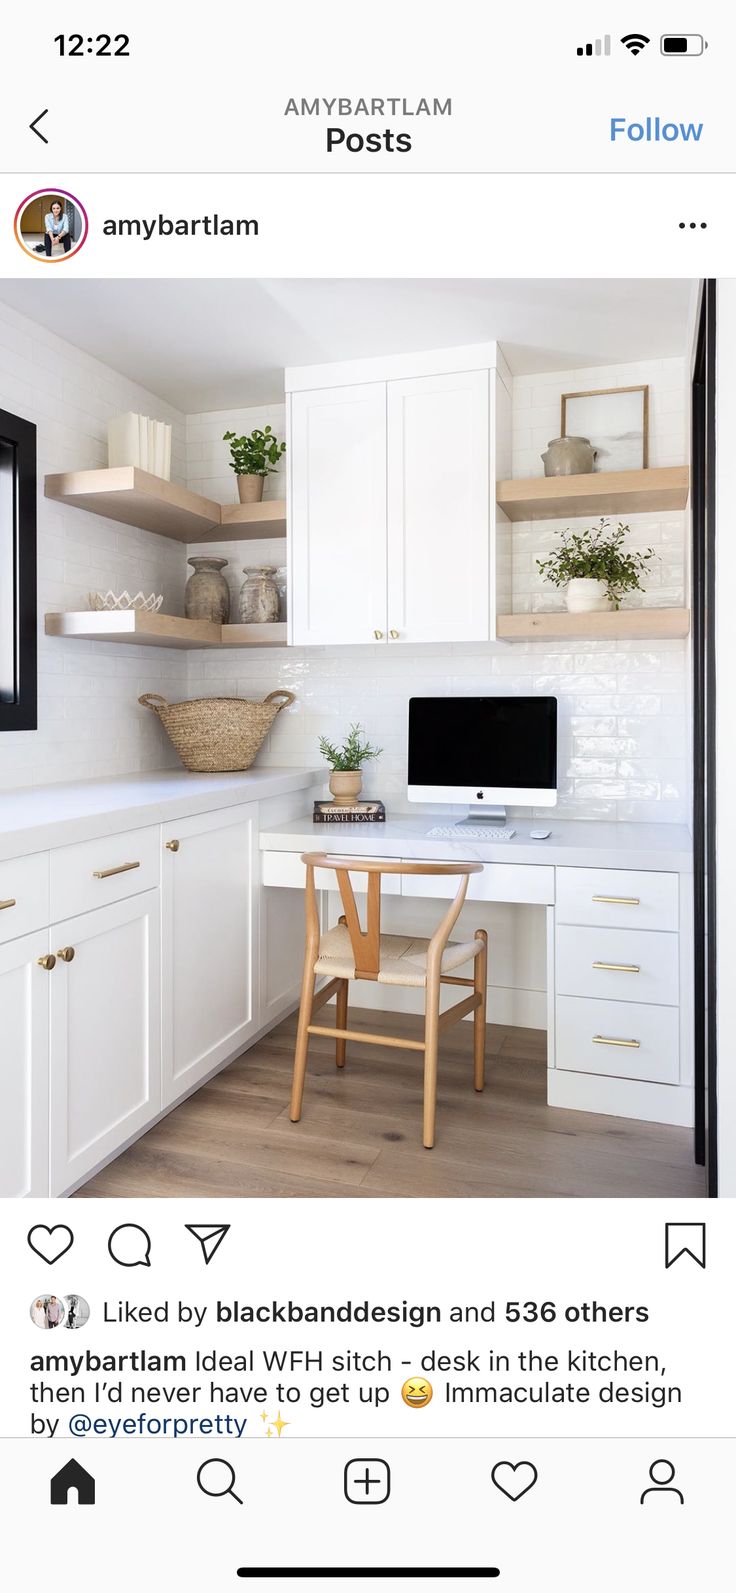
{"x": 354, "y": 813}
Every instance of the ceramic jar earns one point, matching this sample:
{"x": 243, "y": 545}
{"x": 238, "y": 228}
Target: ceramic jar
{"x": 346, "y": 786}
{"x": 569, "y": 456}
{"x": 586, "y": 596}
{"x": 207, "y": 594}
{"x": 250, "y": 488}
{"x": 259, "y": 597}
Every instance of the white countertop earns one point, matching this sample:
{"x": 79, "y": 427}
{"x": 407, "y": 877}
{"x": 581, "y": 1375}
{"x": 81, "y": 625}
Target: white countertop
{"x": 34, "y": 818}
{"x": 582, "y": 843}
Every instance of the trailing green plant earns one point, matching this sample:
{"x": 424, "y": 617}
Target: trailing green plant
{"x": 597, "y": 554}
{"x": 353, "y": 753}
{"x": 255, "y": 455}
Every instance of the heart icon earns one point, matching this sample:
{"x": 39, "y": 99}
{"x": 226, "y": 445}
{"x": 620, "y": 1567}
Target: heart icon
{"x": 51, "y": 1243}
{"x": 514, "y": 1479}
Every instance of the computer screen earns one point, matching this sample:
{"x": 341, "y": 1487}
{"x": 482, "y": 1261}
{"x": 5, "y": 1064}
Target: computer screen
{"x": 483, "y": 750}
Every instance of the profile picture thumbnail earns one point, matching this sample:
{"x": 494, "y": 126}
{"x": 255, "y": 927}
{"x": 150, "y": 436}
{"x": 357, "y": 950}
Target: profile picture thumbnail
{"x": 51, "y": 226}
{"x": 57, "y": 1310}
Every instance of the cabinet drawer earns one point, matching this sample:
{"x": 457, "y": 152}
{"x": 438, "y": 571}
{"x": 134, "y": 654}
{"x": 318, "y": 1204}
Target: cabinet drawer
{"x": 24, "y": 895}
{"x": 596, "y": 1036}
{"x": 499, "y": 882}
{"x": 616, "y": 898}
{"x": 93, "y": 873}
{"x": 617, "y": 964}
{"x": 287, "y": 869}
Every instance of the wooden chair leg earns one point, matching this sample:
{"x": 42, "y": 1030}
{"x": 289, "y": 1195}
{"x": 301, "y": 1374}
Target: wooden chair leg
{"x": 431, "y": 1048}
{"x": 341, "y": 1022}
{"x": 480, "y": 986}
{"x": 301, "y": 1051}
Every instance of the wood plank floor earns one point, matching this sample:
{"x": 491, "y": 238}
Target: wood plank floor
{"x": 360, "y": 1133}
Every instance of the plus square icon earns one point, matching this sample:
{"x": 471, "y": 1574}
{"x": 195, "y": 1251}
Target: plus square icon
{"x": 367, "y": 1481}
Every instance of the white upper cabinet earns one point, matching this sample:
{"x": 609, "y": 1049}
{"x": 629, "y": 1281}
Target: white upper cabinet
{"x": 338, "y": 515}
{"x": 438, "y": 509}
{"x": 392, "y": 472}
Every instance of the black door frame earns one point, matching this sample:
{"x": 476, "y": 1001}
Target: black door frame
{"x": 704, "y": 743}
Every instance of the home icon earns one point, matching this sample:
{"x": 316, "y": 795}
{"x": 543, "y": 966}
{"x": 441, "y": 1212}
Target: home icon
{"x": 72, "y": 1475}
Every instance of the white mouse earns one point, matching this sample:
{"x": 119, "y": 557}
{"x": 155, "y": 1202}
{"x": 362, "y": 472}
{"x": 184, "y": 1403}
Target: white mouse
{"x": 539, "y": 835}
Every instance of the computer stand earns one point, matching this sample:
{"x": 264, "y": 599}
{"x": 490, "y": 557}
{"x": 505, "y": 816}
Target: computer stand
{"x": 492, "y": 816}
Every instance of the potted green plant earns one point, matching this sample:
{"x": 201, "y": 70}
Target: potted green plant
{"x": 595, "y": 568}
{"x": 253, "y": 458}
{"x": 346, "y": 763}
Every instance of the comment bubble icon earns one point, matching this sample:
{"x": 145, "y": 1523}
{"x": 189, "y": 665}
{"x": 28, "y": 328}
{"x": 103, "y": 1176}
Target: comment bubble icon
{"x": 130, "y": 1245}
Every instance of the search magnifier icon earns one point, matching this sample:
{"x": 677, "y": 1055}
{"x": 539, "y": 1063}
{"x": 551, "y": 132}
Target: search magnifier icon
{"x": 216, "y": 1478}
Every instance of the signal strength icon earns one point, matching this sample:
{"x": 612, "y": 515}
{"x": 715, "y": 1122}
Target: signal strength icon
{"x": 634, "y": 42}
{"x": 598, "y": 47}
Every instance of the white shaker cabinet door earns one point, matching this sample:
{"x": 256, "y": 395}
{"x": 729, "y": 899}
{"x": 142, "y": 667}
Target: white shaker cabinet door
{"x": 439, "y": 508}
{"x": 210, "y": 950}
{"x": 337, "y": 524}
{"x": 24, "y": 1067}
{"x": 105, "y": 1034}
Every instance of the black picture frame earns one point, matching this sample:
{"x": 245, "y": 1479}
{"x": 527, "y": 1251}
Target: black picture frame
{"x": 19, "y": 692}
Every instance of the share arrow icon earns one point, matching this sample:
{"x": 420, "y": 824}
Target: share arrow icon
{"x": 210, "y": 1236}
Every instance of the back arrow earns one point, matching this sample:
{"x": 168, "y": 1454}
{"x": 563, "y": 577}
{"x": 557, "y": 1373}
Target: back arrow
{"x": 34, "y": 125}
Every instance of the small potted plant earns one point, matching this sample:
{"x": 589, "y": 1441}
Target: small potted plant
{"x": 346, "y": 763}
{"x": 595, "y": 568}
{"x": 253, "y": 458}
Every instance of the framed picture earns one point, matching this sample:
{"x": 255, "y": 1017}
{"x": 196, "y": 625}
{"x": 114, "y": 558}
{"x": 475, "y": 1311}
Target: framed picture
{"x": 615, "y": 420}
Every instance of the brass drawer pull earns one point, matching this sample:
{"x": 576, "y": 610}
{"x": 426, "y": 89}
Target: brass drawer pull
{"x": 602, "y": 1039}
{"x": 394, "y": 635}
{"x": 11, "y": 902}
{"x": 122, "y": 868}
{"x": 618, "y": 967}
{"x": 66, "y": 954}
{"x": 48, "y": 962}
{"x": 378, "y": 635}
{"x": 172, "y": 846}
{"x": 619, "y": 901}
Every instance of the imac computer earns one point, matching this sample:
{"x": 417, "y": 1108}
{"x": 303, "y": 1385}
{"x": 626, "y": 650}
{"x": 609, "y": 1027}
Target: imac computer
{"x": 483, "y": 751}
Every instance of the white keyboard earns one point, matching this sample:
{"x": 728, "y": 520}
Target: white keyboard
{"x": 471, "y": 832}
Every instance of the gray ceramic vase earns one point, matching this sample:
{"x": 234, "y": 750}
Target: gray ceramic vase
{"x": 569, "y": 456}
{"x": 207, "y": 595}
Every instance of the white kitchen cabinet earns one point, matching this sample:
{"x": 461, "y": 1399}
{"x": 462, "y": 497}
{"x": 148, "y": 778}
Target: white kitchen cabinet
{"x": 338, "y": 515}
{"x": 210, "y": 946}
{"x": 105, "y": 1036}
{"x": 392, "y": 468}
{"x": 24, "y": 1067}
{"x": 438, "y": 508}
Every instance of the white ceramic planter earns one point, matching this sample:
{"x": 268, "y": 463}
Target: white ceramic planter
{"x": 586, "y": 597}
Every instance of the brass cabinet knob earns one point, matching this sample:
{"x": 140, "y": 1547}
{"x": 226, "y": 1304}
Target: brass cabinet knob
{"x": 66, "y": 954}
{"x": 378, "y": 635}
{"x": 172, "y": 846}
{"x": 394, "y": 635}
{"x": 48, "y": 962}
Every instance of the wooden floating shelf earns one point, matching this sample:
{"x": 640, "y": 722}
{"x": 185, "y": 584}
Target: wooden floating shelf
{"x": 160, "y": 630}
{"x": 135, "y": 497}
{"x": 610, "y": 492}
{"x": 645, "y": 624}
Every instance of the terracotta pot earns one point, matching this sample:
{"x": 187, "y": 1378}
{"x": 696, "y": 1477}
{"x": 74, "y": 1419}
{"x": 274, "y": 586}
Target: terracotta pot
{"x": 250, "y": 488}
{"x": 569, "y": 456}
{"x": 346, "y": 787}
{"x": 207, "y": 594}
{"x": 586, "y": 596}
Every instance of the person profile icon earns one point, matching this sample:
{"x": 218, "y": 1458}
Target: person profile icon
{"x": 662, "y": 1483}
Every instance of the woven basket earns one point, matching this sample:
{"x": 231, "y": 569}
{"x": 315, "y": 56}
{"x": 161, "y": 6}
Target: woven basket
{"x": 214, "y": 735}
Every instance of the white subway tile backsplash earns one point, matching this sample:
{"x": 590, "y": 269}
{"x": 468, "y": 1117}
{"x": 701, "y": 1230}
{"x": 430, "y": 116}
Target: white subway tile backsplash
{"x": 622, "y": 706}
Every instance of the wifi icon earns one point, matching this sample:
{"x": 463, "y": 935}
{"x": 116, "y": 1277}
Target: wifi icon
{"x": 634, "y": 42}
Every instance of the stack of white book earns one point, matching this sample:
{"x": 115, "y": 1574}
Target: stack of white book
{"x": 136, "y": 440}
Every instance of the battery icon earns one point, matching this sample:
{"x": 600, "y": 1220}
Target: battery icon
{"x": 682, "y": 44}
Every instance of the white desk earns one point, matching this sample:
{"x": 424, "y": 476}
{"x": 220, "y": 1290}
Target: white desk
{"x": 618, "y": 903}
